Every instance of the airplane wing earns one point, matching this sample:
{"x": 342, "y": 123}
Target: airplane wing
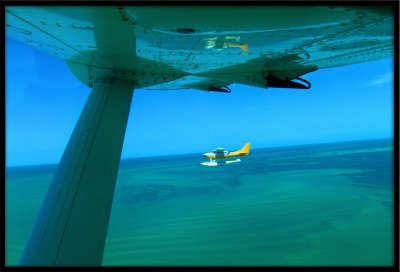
{"x": 197, "y": 47}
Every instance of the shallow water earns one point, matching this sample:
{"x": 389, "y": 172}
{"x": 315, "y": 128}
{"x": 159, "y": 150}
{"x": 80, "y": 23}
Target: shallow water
{"x": 328, "y": 204}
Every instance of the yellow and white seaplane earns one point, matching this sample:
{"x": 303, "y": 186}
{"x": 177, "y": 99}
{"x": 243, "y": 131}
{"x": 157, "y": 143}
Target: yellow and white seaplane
{"x": 220, "y": 156}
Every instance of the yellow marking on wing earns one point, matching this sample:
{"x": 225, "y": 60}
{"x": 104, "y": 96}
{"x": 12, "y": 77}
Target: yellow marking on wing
{"x": 243, "y": 46}
{"x": 232, "y": 37}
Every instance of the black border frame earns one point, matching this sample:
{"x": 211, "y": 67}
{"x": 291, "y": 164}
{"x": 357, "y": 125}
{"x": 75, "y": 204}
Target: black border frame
{"x": 393, "y": 3}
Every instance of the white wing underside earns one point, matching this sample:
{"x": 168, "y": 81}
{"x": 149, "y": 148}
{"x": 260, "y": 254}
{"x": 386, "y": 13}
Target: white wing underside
{"x": 195, "y": 47}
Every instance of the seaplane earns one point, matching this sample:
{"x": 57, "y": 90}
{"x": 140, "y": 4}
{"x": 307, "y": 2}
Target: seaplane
{"x": 220, "y": 156}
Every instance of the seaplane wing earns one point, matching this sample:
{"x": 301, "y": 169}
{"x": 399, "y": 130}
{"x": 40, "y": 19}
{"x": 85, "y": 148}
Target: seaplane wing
{"x": 205, "y": 48}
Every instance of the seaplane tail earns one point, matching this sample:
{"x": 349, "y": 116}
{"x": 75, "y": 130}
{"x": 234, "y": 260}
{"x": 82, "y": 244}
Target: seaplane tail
{"x": 242, "y": 152}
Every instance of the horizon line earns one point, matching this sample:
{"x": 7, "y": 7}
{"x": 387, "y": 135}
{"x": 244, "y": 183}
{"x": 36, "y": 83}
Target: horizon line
{"x": 186, "y": 154}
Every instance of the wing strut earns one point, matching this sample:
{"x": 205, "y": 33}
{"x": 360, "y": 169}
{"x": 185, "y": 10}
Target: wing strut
{"x": 71, "y": 227}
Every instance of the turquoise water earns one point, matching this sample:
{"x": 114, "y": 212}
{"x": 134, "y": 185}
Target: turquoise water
{"x": 328, "y": 204}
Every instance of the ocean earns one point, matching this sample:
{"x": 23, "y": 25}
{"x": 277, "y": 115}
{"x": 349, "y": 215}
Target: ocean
{"x": 315, "y": 205}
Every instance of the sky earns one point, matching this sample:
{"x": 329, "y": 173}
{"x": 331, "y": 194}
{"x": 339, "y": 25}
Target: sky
{"x": 44, "y": 100}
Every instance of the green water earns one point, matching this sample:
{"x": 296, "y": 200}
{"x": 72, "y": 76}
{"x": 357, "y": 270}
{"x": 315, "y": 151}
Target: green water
{"x": 319, "y": 205}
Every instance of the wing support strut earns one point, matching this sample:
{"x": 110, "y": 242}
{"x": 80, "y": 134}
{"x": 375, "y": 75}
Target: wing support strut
{"x": 72, "y": 224}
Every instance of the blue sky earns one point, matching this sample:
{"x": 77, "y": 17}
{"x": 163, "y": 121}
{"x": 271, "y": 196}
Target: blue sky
{"x": 44, "y": 100}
